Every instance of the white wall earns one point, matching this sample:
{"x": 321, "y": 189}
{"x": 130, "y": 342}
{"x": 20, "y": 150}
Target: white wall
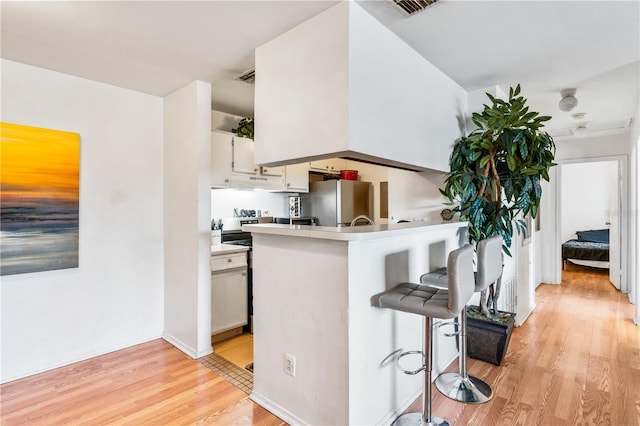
{"x": 416, "y": 196}
{"x": 401, "y": 107}
{"x": 634, "y": 223}
{"x": 187, "y": 219}
{"x": 301, "y": 96}
{"x": 223, "y": 121}
{"x": 588, "y": 190}
{"x": 114, "y": 299}
{"x": 223, "y": 201}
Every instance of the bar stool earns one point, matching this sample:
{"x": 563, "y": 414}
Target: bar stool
{"x": 461, "y": 386}
{"x": 431, "y": 303}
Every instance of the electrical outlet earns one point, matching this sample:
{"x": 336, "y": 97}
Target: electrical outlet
{"x": 290, "y": 365}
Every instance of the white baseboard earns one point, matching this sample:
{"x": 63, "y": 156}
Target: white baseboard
{"x": 276, "y": 409}
{"x": 180, "y": 345}
{"x": 82, "y": 357}
{"x": 520, "y": 322}
{"x": 186, "y": 348}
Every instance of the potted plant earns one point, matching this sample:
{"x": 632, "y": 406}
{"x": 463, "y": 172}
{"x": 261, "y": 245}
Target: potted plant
{"x": 495, "y": 175}
{"x": 245, "y": 128}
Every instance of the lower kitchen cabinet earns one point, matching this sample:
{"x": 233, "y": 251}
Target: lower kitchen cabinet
{"x": 229, "y": 291}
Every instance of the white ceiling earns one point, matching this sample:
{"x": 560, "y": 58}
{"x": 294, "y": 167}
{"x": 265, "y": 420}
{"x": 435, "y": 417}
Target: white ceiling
{"x": 157, "y": 47}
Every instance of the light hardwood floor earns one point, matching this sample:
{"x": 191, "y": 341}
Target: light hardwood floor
{"x": 149, "y": 384}
{"x": 576, "y": 361}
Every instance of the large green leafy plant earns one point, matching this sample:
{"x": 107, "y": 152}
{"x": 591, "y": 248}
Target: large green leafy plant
{"x": 495, "y": 171}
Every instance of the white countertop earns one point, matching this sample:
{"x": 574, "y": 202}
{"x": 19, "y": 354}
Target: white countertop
{"x": 227, "y": 249}
{"x": 355, "y": 233}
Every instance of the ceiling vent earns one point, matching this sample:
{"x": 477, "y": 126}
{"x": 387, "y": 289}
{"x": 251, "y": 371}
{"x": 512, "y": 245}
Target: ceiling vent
{"x": 413, "y": 6}
{"x": 249, "y": 76}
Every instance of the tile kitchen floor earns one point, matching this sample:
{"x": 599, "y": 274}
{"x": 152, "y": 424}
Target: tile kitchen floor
{"x": 238, "y": 349}
{"x": 230, "y": 358}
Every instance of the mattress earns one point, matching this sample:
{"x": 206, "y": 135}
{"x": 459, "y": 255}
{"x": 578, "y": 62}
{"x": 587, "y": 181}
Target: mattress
{"x": 585, "y": 250}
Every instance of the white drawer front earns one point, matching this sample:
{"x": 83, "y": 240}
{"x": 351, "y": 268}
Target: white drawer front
{"x": 228, "y": 261}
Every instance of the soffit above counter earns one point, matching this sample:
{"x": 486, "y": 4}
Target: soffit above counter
{"x": 357, "y": 92}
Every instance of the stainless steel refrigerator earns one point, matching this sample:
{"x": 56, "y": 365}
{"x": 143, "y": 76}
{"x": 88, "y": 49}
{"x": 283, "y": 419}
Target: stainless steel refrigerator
{"x": 338, "y": 202}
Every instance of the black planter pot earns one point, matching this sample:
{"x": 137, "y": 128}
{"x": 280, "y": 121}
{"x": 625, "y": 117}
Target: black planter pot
{"x": 488, "y": 340}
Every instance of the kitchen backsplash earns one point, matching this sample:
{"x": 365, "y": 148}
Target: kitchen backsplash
{"x": 223, "y": 201}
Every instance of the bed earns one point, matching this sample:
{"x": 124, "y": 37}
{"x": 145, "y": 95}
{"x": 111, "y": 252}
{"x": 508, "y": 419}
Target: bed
{"x": 592, "y": 245}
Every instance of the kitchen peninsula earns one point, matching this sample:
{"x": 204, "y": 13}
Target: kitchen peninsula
{"x": 312, "y": 303}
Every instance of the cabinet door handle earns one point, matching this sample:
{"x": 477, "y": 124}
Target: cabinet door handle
{"x": 229, "y": 260}
{"x": 288, "y": 184}
{"x": 244, "y": 274}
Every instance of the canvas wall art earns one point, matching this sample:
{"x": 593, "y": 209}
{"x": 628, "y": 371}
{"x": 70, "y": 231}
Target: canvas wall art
{"x": 39, "y": 199}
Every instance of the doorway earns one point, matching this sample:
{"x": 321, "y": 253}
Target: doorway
{"x": 590, "y": 196}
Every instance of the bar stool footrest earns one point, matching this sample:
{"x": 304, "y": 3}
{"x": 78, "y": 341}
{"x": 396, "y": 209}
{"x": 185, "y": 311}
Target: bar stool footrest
{"x": 454, "y": 323}
{"x": 411, "y": 372}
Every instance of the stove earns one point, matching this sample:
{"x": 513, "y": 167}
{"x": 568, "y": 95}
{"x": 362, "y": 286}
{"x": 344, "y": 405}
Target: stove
{"x": 240, "y": 238}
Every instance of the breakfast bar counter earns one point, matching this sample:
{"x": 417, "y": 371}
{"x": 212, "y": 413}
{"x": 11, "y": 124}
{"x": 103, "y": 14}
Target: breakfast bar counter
{"x": 312, "y": 303}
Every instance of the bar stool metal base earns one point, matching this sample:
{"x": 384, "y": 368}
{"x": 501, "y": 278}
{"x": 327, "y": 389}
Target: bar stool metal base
{"x": 415, "y": 419}
{"x": 470, "y": 390}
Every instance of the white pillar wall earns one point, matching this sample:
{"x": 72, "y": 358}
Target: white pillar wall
{"x": 187, "y": 219}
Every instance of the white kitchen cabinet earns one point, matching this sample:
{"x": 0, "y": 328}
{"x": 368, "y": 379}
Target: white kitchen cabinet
{"x": 297, "y": 177}
{"x": 330, "y": 165}
{"x": 229, "y": 291}
{"x": 272, "y": 171}
{"x": 232, "y": 165}
{"x": 243, "y": 156}
{"x": 221, "y": 159}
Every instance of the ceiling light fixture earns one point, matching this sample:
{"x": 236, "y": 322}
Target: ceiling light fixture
{"x": 580, "y": 130}
{"x": 569, "y": 100}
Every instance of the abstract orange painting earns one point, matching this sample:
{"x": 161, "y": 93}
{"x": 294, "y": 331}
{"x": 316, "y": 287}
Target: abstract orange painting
{"x": 39, "y": 195}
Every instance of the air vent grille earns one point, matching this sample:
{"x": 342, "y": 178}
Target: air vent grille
{"x": 413, "y": 6}
{"x": 249, "y": 76}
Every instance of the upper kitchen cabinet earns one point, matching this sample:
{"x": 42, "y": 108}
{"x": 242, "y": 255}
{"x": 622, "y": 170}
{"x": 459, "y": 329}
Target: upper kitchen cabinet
{"x": 357, "y": 91}
{"x": 243, "y": 156}
{"x": 221, "y": 159}
{"x": 297, "y": 177}
{"x": 233, "y": 165}
{"x": 328, "y": 165}
{"x": 272, "y": 171}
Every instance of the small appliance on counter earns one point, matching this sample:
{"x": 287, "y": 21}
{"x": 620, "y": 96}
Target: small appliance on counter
{"x": 299, "y": 209}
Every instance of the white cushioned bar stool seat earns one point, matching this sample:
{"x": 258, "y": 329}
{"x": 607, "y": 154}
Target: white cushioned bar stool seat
{"x": 461, "y": 386}
{"x": 431, "y": 303}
